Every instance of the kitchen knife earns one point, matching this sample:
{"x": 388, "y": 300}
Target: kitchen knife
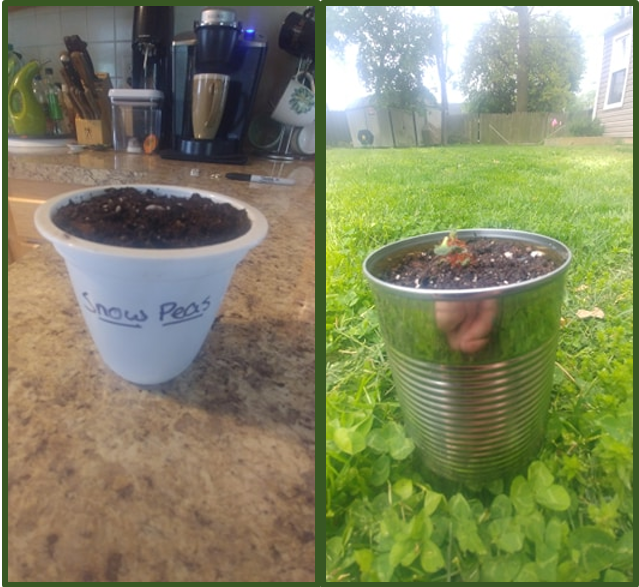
{"x": 73, "y": 79}
{"x": 79, "y": 105}
{"x": 88, "y": 81}
{"x": 75, "y": 43}
{"x": 81, "y": 65}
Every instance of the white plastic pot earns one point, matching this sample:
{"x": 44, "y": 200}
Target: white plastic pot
{"x": 148, "y": 310}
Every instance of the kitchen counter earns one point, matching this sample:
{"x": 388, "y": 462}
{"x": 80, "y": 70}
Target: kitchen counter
{"x": 210, "y": 477}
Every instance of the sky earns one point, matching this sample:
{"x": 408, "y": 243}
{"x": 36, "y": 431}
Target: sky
{"x": 343, "y": 85}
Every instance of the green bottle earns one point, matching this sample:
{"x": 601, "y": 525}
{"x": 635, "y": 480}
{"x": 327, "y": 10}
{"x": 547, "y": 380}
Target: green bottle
{"x": 25, "y": 113}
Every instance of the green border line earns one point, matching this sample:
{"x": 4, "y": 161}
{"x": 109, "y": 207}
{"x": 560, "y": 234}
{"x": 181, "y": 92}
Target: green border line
{"x": 320, "y": 310}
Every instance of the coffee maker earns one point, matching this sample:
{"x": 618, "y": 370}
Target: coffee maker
{"x": 218, "y": 44}
{"x": 151, "y": 64}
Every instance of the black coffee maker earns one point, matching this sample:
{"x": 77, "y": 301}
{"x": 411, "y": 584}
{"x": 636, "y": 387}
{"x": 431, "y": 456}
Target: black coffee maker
{"x": 217, "y": 44}
{"x": 151, "y": 64}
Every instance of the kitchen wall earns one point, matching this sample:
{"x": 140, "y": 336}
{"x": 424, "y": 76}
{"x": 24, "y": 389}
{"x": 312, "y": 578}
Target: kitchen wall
{"x": 37, "y": 33}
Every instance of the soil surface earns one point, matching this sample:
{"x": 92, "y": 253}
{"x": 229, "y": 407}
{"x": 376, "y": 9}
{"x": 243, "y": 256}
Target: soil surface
{"x": 128, "y": 217}
{"x": 486, "y": 263}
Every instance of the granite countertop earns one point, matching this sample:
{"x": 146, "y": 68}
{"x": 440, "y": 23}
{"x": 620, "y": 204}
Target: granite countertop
{"x": 210, "y": 477}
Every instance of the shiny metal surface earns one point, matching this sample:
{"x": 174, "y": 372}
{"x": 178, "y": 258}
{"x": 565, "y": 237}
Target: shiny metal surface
{"x": 473, "y": 368}
{"x": 215, "y": 16}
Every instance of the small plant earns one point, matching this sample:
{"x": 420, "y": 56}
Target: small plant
{"x": 454, "y": 251}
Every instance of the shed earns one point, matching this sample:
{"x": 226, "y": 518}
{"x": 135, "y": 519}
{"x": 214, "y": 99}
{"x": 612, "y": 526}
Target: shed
{"x": 375, "y": 126}
{"x": 613, "y": 104}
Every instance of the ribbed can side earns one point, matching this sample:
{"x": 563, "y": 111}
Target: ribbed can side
{"x": 476, "y": 423}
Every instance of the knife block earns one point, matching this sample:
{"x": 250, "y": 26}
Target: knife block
{"x": 99, "y": 131}
{"x": 93, "y": 132}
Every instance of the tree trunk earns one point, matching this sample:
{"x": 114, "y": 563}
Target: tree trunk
{"x": 441, "y": 71}
{"x": 523, "y": 53}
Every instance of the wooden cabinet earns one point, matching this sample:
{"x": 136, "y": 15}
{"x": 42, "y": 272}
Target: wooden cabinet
{"x": 24, "y": 197}
{"x": 15, "y": 245}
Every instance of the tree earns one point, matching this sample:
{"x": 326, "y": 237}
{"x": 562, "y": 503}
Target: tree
{"x": 440, "y": 58}
{"x": 523, "y": 55}
{"x": 555, "y": 65}
{"x": 395, "y": 47}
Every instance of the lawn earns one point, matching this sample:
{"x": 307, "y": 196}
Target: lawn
{"x": 568, "y": 516}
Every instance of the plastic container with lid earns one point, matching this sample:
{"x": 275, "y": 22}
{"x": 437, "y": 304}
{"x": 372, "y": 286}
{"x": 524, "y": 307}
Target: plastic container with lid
{"x": 137, "y": 120}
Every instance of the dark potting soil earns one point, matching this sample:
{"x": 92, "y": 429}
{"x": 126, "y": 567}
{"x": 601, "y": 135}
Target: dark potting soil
{"x": 485, "y": 263}
{"x": 128, "y": 217}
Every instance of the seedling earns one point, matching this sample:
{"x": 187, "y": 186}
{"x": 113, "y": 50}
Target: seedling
{"x": 454, "y": 251}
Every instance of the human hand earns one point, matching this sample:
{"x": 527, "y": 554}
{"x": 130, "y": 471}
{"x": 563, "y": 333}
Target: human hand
{"x": 467, "y": 325}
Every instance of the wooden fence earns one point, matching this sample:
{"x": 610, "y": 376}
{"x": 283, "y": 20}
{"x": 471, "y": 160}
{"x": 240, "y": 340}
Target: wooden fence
{"x": 337, "y": 133}
{"x": 489, "y": 129}
{"x": 504, "y": 129}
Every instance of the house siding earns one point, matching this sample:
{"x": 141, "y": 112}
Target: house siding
{"x": 617, "y": 121}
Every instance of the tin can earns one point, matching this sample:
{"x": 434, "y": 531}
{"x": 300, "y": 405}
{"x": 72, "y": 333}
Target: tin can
{"x": 480, "y": 415}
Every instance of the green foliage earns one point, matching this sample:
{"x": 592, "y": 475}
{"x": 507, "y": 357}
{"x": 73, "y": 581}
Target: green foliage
{"x": 585, "y": 126}
{"x": 568, "y": 517}
{"x": 416, "y": 534}
{"x": 396, "y": 45}
{"x": 556, "y": 64}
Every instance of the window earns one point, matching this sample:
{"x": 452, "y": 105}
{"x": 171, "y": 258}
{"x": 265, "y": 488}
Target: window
{"x": 619, "y": 60}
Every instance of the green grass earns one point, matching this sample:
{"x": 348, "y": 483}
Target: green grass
{"x": 568, "y": 518}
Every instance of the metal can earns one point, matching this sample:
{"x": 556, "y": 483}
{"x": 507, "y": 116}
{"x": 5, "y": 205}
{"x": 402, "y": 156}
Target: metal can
{"x": 474, "y": 416}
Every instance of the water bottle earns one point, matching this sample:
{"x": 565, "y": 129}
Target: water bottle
{"x": 40, "y": 93}
{"x": 54, "y": 103}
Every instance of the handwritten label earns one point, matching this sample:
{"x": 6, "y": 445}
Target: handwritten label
{"x": 176, "y": 314}
{"x": 168, "y": 313}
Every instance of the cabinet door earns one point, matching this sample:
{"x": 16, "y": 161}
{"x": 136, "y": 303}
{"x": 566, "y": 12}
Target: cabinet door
{"x": 15, "y": 245}
{"x": 24, "y": 197}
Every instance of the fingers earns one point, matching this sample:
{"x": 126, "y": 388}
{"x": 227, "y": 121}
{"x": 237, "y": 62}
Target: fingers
{"x": 449, "y": 315}
{"x": 466, "y": 324}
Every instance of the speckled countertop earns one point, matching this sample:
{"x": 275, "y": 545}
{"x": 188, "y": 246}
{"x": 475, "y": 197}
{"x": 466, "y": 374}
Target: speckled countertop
{"x": 210, "y": 477}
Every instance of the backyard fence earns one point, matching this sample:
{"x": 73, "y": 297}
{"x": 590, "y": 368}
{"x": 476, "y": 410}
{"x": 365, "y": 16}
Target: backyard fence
{"x": 337, "y": 133}
{"x": 504, "y": 129}
{"x": 391, "y": 127}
